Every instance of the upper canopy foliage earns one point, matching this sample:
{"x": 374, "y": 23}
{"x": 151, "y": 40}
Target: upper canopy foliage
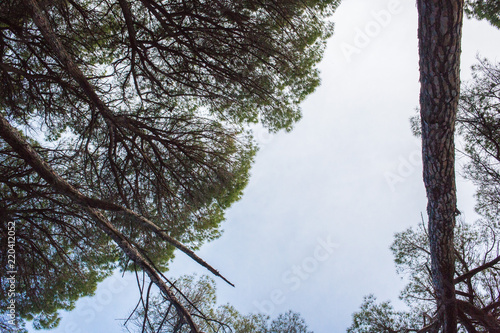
{"x": 241, "y": 60}
{"x": 140, "y": 106}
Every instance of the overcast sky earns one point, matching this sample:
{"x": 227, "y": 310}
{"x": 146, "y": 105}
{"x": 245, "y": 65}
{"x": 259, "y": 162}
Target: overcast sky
{"x": 313, "y": 229}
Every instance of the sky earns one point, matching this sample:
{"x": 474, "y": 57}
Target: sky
{"x": 313, "y": 229}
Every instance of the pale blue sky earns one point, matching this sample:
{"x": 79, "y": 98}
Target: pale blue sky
{"x": 348, "y": 171}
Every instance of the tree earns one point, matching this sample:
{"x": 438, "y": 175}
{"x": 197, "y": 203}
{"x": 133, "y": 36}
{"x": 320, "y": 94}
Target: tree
{"x": 477, "y": 255}
{"x": 476, "y": 279}
{"x": 199, "y": 296}
{"x": 439, "y": 33}
{"x": 122, "y": 128}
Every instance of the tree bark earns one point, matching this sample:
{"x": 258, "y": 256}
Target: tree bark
{"x": 439, "y": 33}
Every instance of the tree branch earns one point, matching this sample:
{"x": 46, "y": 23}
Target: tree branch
{"x": 476, "y": 270}
{"x": 44, "y": 169}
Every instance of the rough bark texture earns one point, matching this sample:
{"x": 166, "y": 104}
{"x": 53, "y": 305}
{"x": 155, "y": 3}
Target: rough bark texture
{"x": 439, "y": 32}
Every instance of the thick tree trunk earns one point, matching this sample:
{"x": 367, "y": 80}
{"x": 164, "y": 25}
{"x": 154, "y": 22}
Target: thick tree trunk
{"x": 440, "y": 32}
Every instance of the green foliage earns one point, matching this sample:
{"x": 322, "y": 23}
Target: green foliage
{"x": 289, "y": 322}
{"x": 199, "y": 295}
{"x": 7, "y": 327}
{"x": 484, "y": 10}
{"x": 56, "y": 262}
{"x": 241, "y": 60}
{"x": 478, "y": 123}
{"x": 475, "y": 245}
{"x": 149, "y": 113}
{"x": 381, "y": 318}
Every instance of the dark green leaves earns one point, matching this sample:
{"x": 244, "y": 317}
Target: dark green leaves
{"x": 140, "y": 104}
{"x": 484, "y": 10}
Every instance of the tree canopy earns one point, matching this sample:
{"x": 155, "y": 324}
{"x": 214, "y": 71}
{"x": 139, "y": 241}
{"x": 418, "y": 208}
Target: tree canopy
{"x": 122, "y": 127}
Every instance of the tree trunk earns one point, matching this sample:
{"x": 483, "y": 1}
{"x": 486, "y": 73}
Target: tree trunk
{"x": 439, "y": 33}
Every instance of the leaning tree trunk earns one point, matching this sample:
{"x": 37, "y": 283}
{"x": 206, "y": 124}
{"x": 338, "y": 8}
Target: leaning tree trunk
{"x": 439, "y": 33}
